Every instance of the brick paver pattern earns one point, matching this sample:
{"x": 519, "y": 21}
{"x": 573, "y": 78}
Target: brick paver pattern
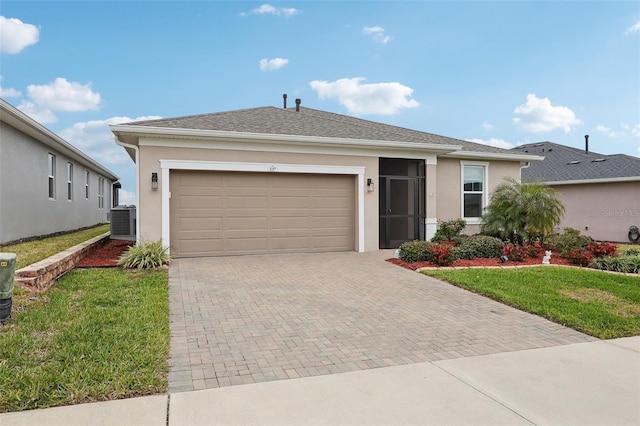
{"x": 249, "y": 319}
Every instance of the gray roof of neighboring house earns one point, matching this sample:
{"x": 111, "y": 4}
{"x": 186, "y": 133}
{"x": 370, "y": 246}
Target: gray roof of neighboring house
{"x": 562, "y": 163}
{"x": 309, "y": 122}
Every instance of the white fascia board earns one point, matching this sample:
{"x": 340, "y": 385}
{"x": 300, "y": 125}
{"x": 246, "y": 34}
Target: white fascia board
{"x": 585, "y": 181}
{"x": 142, "y": 131}
{"x": 473, "y": 155}
{"x": 276, "y": 146}
{"x": 27, "y": 125}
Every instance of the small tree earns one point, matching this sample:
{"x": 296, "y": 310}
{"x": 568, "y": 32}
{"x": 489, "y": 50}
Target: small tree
{"x": 520, "y": 212}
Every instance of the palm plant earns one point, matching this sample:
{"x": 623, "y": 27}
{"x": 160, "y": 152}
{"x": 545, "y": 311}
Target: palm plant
{"x": 521, "y": 212}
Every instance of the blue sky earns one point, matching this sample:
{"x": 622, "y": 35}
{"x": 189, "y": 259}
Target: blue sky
{"x": 501, "y": 73}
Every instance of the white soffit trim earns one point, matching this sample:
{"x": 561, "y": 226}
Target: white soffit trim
{"x": 261, "y": 167}
{"x": 168, "y": 165}
{"x": 584, "y": 181}
{"x": 169, "y": 132}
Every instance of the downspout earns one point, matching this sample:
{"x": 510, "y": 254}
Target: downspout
{"x": 137, "y": 151}
{"x": 524, "y": 165}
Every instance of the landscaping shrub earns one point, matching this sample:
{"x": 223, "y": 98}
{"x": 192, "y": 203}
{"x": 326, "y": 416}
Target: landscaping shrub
{"x": 580, "y": 256}
{"x": 442, "y": 255}
{"x": 569, "y": 241}
{"x": 602, "y": 249}
{"x": 482, "y": 246}
{"x": 515, "y": 252}
{"x": 631, "y": 252}
{"x": 534, "y": 250}
{"x": 145, "y": 256}
{"x": 415, "y": 251}
{"x": 626, "y": 264}
{"x": 449, "y": 230}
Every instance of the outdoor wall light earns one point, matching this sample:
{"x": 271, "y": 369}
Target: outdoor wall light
{"x": 370, "y": 185}
{"x": 154, "y": 181}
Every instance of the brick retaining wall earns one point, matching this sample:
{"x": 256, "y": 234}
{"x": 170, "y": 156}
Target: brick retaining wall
{"x": 41, "y": 275}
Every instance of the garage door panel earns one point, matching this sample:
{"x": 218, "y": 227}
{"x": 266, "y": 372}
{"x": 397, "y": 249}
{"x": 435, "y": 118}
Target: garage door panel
{"x": 200, "y": 224}
{"x": 223, "y": 213}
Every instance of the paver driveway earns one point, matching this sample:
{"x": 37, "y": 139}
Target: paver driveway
{"x": 247, "y": 319}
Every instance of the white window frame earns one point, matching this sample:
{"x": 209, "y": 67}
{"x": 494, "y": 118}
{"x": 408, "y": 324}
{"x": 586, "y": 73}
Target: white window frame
{"x": 87, "y": 180}
{"x": 69, "y": 181}
{"x": 485, "y": 187}
{"x": 51, "y": 180}
{"x": 100, "y": 192}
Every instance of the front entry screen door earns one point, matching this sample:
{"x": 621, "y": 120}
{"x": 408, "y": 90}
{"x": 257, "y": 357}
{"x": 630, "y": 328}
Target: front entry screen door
{"x": 401, "y": 210}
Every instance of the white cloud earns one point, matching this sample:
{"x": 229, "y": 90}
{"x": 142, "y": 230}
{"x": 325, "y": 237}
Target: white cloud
{"x": 377, "y": 33}
{"x": 624, "y": 131}
{"x": 59, "y": 95}
{"x": 96, "y": 140}
{"x": 41, "y": 115}
{"x": 62, "y": 95}
{"x": 361, "y": 99}
{"x": 272, "y": 64}
{"x": 267, "y": 9}
{"x": 538, "y": 115}
{"x": 498, "y": 143}
{"x": 126, "y": 198}
{"x": 15, "y": 35}
{"x": 633, "y": 29}
{"x": 487, "y": 125}
{"x": 9, "y": 92}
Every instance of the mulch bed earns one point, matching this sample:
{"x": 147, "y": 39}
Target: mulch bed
{"x": 462, "y": 263}
{"x": 105, "y": 254}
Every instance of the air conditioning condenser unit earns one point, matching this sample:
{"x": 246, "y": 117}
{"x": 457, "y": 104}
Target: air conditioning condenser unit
{"x": 123, "y": 223}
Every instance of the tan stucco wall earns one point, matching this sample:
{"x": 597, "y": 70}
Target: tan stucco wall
{"x": 449, "y": 186}
{"x": 150, "y": 201}
{"x": 603, "y": 211}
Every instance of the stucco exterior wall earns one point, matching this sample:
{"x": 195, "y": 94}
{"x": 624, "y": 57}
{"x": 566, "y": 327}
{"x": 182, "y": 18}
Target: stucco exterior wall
{"x": 25, "y": 207}
{"x": 449, "y": 186}
{"x": 603, "y": 211}
{"x": 150, "y": 201}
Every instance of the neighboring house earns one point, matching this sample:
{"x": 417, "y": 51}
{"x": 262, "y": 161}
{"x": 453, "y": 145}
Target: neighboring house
{"x": 600, "y": 193}
{"x": 276, "y": 180}
{"x": 47, "y": 185}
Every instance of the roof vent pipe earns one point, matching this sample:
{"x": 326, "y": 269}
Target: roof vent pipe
{"x": 298, "y": 101}
{"x": 586, "y": 143}
{"x": 284, "y": 97}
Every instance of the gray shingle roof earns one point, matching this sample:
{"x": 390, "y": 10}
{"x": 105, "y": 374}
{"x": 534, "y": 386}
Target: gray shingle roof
{"x": 309, "y": 122}
{"x": 563, "y": 163}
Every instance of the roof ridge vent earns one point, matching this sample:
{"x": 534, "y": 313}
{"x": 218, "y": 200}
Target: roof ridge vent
{"x": 598, "y": 160}
{"x": 573, "y": 162}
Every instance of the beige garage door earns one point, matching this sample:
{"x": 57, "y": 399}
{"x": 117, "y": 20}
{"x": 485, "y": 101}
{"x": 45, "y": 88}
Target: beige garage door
{"x": 228, "y": 213}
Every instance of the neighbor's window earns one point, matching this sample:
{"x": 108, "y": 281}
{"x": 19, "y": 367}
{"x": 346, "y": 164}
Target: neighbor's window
{"x": 52, "y": 176}
{"x": 473, "y": 189}
{"x": 69, "y": 181}
{"x": 87, "y": 178}
{"x": 100, "y": 192}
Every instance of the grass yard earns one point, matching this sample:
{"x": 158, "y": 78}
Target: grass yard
{"x": 34, "y": 251}
{"x": 601, "y": 304}
{"x": 98, "y": 334}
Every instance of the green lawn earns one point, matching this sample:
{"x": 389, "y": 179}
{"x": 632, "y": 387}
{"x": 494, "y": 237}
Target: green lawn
{"x": 98, "y": 334}
{"x": 601, "y": 304}
{"x": 34, "y": 251}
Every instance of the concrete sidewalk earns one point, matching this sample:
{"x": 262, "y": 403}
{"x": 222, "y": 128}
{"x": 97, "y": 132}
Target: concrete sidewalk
{"x": 596, "y": 383}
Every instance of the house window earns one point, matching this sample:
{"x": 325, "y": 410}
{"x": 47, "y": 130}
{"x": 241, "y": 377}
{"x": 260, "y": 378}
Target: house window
{"x": 87, "y": 178}
{"x": 69, "y": 181}
{"x": 101, "y": 193}
{"x": 474, "y": 184}
{"x": 52, "y": 176}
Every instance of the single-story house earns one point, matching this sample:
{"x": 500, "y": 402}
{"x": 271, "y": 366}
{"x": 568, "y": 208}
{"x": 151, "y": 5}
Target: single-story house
{"x": 46, "y": 184}
{"x": 276, "y": 180}
{"x": 600, "y": 193}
